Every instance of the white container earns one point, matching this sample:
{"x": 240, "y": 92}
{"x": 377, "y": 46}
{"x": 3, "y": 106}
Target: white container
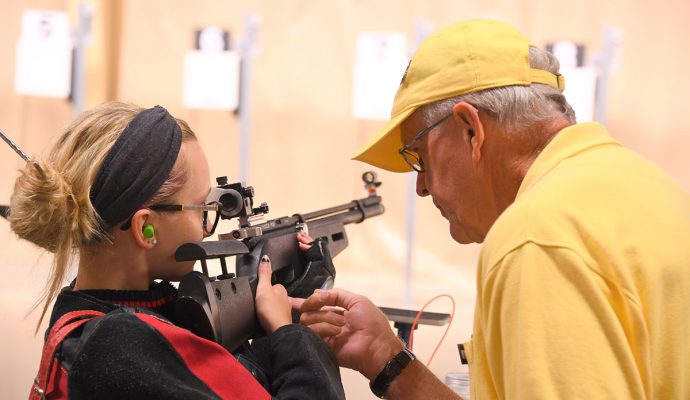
{"x": 459, "y": 382}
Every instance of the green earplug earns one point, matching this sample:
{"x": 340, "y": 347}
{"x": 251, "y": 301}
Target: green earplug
{"x": 148, "y": 231}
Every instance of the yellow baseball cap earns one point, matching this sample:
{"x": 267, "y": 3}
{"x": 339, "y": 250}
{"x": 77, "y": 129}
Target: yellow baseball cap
{"x": 462, "y": 58}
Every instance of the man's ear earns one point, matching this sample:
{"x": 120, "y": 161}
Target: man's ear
{"x": 473, "y": 128}
{"x": 140, "y": 219}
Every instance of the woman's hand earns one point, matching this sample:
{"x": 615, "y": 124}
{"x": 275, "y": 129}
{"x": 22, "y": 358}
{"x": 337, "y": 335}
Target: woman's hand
{"x": 272, "y": 305}
{"x": 272, "y": 302}
{"x": 304, "y": 240}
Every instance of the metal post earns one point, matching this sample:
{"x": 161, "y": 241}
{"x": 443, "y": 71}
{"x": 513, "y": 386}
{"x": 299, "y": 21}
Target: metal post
{"x": 251, "y": 28}
{"x": 611, "y": 40}
{"x": 81, "y": 33}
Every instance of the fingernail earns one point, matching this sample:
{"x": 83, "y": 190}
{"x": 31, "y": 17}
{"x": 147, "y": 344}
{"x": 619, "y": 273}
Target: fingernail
{"x": 265, "y": 259}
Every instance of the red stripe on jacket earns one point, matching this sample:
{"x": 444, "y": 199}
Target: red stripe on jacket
{"x": 210, "y": 362}
{"x": 144, "y": 303}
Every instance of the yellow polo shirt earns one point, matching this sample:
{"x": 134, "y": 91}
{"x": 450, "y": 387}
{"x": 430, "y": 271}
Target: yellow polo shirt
{"x": 583, "y": 283}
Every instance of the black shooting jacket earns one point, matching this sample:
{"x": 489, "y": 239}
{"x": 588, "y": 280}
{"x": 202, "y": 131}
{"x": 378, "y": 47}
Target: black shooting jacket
{"x": 135, "y": 351}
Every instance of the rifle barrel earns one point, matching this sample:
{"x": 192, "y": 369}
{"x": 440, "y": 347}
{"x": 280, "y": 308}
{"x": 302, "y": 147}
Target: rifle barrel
{"x": 352, "y": 216}
{"x": 365, "y": 202}
{"x": 352, "y": 212}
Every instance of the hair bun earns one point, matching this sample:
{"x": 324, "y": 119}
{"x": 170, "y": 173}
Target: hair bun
{"x": 44, "y": 208}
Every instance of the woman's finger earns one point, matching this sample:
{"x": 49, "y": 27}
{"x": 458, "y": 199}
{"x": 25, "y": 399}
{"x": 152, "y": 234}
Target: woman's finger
{"x": 264, "y": 273}
{"x": 304, "y": 237}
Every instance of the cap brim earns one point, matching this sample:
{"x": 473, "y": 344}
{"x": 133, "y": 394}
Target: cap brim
{"x": 382, "y": 149}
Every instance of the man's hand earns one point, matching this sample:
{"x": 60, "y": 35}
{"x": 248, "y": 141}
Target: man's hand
{"x": 356, "y": 330}
{"x": 272, "y": 305}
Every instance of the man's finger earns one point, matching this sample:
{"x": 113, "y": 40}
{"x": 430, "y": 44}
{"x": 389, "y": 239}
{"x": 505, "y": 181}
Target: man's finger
{"x": 296, "y": 303}
{"x": 324, "y": 330}
{"x": 315, "y": 317}
{"x": 334, "y": 297}
{"x": 317, "y": 300}
{"x": 338, "y": 310}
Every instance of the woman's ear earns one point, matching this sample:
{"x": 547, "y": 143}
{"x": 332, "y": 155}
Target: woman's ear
{"x": 143, "y": 228}
{"x": 472, "y": 127}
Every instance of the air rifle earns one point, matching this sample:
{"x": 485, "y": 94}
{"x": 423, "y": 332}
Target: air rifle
{"x": 221, "y": 308}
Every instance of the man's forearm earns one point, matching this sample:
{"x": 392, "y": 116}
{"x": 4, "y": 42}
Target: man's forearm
{"x": 417, "y": 382}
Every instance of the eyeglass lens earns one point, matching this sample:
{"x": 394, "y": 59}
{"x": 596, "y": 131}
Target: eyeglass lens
{"x": 210, "y": 220}
{"x": 413, "y": 160}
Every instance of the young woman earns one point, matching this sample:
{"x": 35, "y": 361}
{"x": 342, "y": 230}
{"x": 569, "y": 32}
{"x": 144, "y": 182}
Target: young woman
{"x": 95, "y": 198}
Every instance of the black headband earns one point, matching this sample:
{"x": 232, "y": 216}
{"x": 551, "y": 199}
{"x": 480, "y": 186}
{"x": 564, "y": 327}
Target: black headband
{"x": 137, "y": 165}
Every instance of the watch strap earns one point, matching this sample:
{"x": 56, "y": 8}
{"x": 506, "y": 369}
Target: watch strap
{"x": 392, "y": 369}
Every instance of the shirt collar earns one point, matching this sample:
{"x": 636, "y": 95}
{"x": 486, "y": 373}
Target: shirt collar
{"x": 568, "y": 142}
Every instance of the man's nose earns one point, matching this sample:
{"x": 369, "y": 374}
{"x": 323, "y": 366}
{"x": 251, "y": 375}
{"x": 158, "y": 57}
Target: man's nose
{"x": 421, "y": 185}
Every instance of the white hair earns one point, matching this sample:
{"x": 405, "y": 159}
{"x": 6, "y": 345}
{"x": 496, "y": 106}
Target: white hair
{"x": 514, "y": 107}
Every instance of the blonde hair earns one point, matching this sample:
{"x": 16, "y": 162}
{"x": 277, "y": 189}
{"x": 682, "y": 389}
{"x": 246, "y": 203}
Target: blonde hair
{"x": 51, "y": 206}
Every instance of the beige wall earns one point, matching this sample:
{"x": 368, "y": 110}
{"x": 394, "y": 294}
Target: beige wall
{"x": 303, "y": 133}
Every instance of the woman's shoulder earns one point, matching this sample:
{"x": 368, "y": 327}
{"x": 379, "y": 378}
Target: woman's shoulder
{"x": 119, "y": 333}
{"x": 119, "y": 351}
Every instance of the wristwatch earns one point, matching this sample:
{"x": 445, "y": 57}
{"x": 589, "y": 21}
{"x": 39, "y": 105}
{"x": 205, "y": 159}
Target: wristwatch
{"x": 392, "y": 369}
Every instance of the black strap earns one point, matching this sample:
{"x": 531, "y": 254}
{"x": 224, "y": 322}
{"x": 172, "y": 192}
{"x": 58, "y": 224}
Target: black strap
{"x": 392, "y": 369}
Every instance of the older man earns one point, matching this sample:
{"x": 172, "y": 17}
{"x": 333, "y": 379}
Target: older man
{"x": 583, "y": 282}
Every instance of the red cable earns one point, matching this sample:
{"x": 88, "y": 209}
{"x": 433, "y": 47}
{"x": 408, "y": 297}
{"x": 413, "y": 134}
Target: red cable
{"x": 419, "y": 314}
